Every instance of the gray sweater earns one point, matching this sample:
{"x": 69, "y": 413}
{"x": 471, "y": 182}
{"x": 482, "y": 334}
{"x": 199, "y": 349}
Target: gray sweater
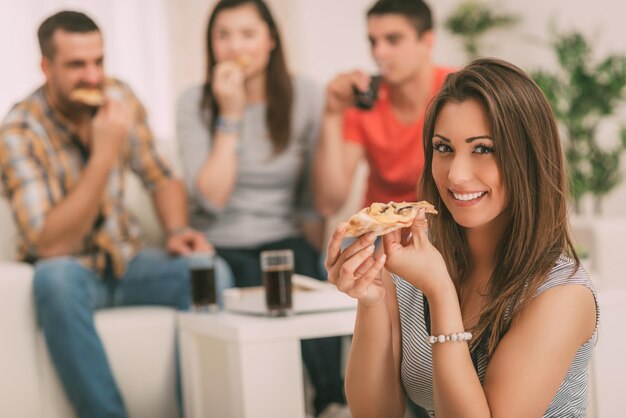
{"x": 271, "y": 194}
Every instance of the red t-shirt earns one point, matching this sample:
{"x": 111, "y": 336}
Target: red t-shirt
{"x": 393, "y": 149}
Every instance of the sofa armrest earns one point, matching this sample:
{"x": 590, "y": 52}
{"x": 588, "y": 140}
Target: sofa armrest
{"x": 19, "y": 382}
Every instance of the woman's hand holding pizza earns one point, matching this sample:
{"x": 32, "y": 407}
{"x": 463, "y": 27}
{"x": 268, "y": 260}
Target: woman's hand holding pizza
{"x": 357, "y": 270}
{"x": 408, "y": 253}
{"x": 414, "y": 258}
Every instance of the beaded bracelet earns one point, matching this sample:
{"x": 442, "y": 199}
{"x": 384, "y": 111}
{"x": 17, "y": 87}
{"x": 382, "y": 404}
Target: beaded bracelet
{"x": 455, "y": 336}
{"x": 228, "y": 126}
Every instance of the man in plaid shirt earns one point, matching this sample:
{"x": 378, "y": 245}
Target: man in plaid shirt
{"x": 62, "y": 170}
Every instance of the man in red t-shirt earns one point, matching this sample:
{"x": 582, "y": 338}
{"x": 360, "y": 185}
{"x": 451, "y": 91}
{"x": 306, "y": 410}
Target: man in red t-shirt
{"x": 389, "y": 136}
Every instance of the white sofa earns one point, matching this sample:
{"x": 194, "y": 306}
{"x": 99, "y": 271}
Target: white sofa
{"x": 139, "y": 341}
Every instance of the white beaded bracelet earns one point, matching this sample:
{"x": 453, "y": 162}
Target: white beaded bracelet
{"x": 455, "y": 336}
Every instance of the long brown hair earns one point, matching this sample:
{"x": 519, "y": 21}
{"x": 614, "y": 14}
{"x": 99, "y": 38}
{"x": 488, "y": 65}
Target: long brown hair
{"x": 279, "y": 91}
{"x": 529, "y": 155}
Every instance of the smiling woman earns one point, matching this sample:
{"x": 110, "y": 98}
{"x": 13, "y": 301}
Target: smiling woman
{"x": 484, "y": 309}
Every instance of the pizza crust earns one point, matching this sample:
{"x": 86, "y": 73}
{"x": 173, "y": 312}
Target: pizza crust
{"x": 89, "y": 97}
{"x": 382, "y": 218}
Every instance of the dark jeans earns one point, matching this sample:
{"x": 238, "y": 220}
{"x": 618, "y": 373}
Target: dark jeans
{"x": 322, "y": 356}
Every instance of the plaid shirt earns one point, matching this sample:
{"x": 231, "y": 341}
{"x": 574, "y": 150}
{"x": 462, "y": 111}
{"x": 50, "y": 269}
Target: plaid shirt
{"x": 41, "y": 160}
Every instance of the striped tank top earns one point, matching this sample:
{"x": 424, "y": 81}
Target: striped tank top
{"x": 416, "y": 366}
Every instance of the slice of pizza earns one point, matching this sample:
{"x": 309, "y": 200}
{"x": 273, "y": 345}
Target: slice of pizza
{"x": 243, "y": 61}
{"x": 89, "y": 97}
{"x": 382, "y": 218}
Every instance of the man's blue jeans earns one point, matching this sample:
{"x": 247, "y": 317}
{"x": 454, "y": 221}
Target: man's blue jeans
{"x": 66, "y": 296}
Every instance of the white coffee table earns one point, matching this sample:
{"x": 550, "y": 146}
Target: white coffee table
{"x": 244, "y": 366}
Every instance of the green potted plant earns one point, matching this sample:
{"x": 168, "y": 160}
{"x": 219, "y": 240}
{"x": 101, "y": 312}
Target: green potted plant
{"x": 472, "y": 19}
{"x": 583, "y": 94}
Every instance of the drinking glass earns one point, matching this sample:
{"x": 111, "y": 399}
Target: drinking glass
{"x": 277, "y": 267}
{"x": 202, "y": 281}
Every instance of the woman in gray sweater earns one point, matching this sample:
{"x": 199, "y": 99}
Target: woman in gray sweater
{"x": 246, "y": 138}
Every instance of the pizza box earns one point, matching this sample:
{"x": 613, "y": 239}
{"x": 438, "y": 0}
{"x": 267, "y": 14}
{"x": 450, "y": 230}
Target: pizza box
{"x": 309, "y": 295}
